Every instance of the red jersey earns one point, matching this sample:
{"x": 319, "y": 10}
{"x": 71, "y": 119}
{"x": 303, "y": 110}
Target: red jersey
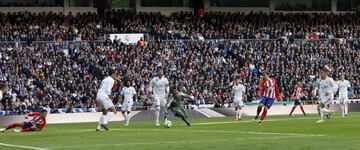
{"x": 40, "y": 122}
{"x": 298, "y": 92}
{"x": 269, "y": 88}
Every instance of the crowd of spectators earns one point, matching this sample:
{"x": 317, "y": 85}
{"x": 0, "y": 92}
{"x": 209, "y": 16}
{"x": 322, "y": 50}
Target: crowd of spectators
{"x": 57, "y": 75}
{"x": 213, "y": 25}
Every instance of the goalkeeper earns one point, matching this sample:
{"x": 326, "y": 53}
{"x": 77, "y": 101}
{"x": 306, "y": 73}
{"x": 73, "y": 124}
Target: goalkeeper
{"x": 175, "y": 104}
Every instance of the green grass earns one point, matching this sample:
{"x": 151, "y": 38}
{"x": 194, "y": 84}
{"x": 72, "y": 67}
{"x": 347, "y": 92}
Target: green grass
{"x": 278, "y": 133}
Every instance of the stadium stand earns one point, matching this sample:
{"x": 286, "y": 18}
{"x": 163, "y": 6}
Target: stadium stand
{"x": 199, "y": 54}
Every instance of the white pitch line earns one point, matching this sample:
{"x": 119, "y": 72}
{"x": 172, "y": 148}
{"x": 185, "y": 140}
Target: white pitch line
{"x": 165, "y": 142}
{"x": 203, "y": 131}
{"x": 22, "y": 146}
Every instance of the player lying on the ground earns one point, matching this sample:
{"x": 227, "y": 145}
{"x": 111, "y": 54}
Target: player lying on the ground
{"x": 298, "y": 94}
{"x": 175, "y": 104}
{"x": 37, "y": 123}
{"x": 269, "y": 91}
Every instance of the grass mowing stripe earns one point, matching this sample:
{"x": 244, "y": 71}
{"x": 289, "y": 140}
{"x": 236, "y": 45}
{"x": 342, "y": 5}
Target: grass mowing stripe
{"x": 203, "y": 131}
{"x": 167, "y": 142}
{"x": 269, "y": 120}
{"x": 22, "y": 146}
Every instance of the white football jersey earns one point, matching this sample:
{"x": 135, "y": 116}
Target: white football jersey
{"x": 327, "y": 86}
{"x": 1, "y": 95}
{"x": 128, "y": 93}
{"x": 343, "y": 87}
{"x": 239, "y": 91}
{"x": 159, "y": 87}
{"x": 106, "y": 86}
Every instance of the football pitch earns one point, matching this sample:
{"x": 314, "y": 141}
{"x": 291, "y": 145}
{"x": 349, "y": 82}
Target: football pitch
{"x": 277, "y": 133}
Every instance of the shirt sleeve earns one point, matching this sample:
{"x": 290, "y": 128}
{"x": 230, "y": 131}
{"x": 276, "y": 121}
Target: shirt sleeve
{"x": 167, "y": 86}
{"x": 122, "y": 92}
{"x": 333, "y": 86}
{"x": 134, "y": 91}
{"x": 151, "y": 85}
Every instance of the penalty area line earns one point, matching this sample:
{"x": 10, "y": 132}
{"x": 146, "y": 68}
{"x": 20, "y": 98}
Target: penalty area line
{"x": 22, "y": 146}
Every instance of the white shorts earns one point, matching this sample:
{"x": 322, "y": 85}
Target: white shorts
{"x": 127, "y": 106}
{"x": 327, "y": 99}
{"x": 160, "y": 102}
{"x": 343, "y": 99}
{"x": 104, "y": 101}
{"x": 238, "y": 103}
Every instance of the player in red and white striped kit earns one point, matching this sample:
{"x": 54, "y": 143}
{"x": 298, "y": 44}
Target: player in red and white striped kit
{"x": 37, "y": 123}
{"x": 269, "y": 92}
{"x": 298, "y": 94}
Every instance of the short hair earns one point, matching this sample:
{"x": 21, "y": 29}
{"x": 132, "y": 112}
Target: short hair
{"x": 44, "y": 111}
{"x": 112, "y": 71}
{"x": 265, "y": 72}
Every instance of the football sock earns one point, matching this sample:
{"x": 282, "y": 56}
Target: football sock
{"x": 240, "y": 113}
{"x": 302, "y": 109}
{"x": 10, "y": 126}
{"x": 346, "y": 106}
{"x": 157, "y": 114}
{"x": 101, "y": 121}
{"x": 342, "y": 109}
{"x": 108, "y": 117}
{"x": 292, "y": 110}
{"x": 263, "y": 115}
{"x": 26, "y": 130}
{"x": 258, "y": 110}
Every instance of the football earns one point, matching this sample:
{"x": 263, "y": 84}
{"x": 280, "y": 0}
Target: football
{"x": 168, "y": 124}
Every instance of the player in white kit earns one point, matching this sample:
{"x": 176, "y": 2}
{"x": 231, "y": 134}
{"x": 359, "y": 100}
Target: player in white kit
{"x": 103, "y": 98}
{"x": 327, "y": 88}
{"x": 159, "y": 86}
{"x": 343, "y": 95}
{"x": 128, "y": 92}
{"x": 239, "y": 91}
{"x": 3, "y": 90}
